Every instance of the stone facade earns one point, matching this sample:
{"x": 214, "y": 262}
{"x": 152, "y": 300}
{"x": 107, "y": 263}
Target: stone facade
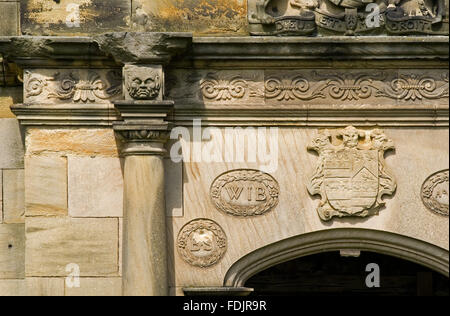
{"x": 259, "y": 130}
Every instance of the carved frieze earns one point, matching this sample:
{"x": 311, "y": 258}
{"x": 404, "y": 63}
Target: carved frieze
{"x": 347, "y": 17}
{"x": 216, "y": 87}
{"x": 351, "y": 174}
{"x": 348, "y": 86}
{"x": 416, "y": 87}
{"x": 435, "y": 192}
{"x": 257, "y": 87}
{"x": 245, "y": 192}
{"x": 73, "y": 86}
{"x": 201, "y": 243}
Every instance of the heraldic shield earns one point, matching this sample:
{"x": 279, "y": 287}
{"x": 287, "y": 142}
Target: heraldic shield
{"x": 351, "y": 176}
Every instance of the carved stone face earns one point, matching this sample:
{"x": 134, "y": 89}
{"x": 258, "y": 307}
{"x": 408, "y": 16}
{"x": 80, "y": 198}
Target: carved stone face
{"x": 145, "y": 88}
{"x": 350, "y": 137}
{"x": 143, "y": 82}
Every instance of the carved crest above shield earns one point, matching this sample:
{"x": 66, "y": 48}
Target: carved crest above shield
{"x": 351, "y": 174}
{"x": 348, "y": 17}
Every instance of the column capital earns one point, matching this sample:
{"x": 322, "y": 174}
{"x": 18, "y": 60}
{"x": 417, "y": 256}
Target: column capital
{"x": 144, "y": 126}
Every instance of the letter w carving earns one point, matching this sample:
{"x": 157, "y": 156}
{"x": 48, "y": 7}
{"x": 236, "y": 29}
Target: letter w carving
{"x": 234, "y": 192}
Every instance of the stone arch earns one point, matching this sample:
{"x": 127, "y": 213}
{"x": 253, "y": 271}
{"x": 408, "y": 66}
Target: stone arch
{"x": 387, "y": 243}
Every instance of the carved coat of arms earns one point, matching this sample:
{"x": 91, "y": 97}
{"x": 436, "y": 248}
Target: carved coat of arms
{"x": 351, "y": 175}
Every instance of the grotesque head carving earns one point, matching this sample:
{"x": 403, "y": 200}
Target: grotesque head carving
{"x": 143, "y": 83}
{"x": 350, "y": 137}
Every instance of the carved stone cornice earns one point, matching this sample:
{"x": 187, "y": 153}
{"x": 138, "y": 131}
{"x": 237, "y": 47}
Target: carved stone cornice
{"x": 143, "y": 48}
{"x": 51, "y": 51}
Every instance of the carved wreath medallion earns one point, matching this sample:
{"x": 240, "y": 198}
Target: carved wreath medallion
{"x": 435, "y": 191}
{"x": 351, "y": 175}
{"x": 202, "y": 243}
{"x": 244, "y": 192}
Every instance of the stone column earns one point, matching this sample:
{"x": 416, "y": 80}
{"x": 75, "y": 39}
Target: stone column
{"x": 144, "y": 230}
{"x": 145, "y": 130}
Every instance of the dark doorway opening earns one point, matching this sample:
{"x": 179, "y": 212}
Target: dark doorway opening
{"x": 331, "y": 274}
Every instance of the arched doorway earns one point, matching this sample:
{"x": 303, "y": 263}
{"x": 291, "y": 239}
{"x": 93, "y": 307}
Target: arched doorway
{"x": 331, "y": 273}
{"x": 422, "y": 267}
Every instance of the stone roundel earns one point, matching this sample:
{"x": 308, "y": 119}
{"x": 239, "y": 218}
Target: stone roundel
{"x": 435, "y": 192}
{"x": 244, "y": 192}
{"x": 201, "y": 243}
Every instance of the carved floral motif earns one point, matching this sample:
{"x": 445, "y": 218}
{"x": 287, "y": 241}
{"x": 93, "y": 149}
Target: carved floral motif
{"x": 435, "y": 192}
{"x": 223, "y": 89}
{"x": 202, "y": 243}
{"x": 414, "y": 87}
{"x": 286, "y": 89}
{"x": 351, "y": 175}
{"x": 77, "y": 87}
{"x": 356, "y": 86}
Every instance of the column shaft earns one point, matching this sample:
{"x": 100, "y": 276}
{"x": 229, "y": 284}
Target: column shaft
{"x": 144, "y": 239}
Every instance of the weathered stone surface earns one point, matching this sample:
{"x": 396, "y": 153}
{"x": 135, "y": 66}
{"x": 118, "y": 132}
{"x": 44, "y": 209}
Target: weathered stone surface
{"x": 150, "y": 48}
{"x": 74, "y": 86}
{"x": 46, "y": 186}
{"x": 11, "y": 146}
{"x": 53, "y": 243}
{"x": 330, "y": 17}
{"x": 45, "y": 286}
{"x": 12, "y": 251}
{"x": 85, "y": 142}
{"x": 8, "y": 97}
{"x": 144, "y": 238}
{"x": 96, "y": 287}
{"x": 9, "y": 18}
{"x": 42, "y": 17}
{"x": 173, "y": 183}
{"x": 13, "y": 196}
{"x": 95, "y": 187}
{"x": 351, "y": 175}
{"x": 208, "y": 87}
{"x": 416, "y": 157}
{"x": 198, "y": 16}
{"x": 12, "y": 287}
{"x": 1, "y": 196}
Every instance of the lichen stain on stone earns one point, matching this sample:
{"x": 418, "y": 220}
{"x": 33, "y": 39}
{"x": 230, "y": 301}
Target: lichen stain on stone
{"x": 202, "y": 17}
{"x": 45, "y": 11}
{"x": 46, "y": 17}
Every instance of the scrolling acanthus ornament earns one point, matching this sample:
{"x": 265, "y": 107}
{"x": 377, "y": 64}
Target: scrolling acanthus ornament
{"x": 77, "y": 87}
{"x": 351, "y": 175}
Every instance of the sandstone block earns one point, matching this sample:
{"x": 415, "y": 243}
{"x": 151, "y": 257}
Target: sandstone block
{"x": 96, "y": 287}
{"x": 45, "y": 286}
{"x": 12, "y": 251}
{"x": 86, "y": 142}
{"x": 9, "y": 17}
{"x": 205, "y": 16}
{"x": 95, "y": 187}
{"x": 54, "y": 243}
{"x": 13, "y": 196}
{"x": 12, "y": 287}
{"x": 11, "y": 146}
{"x": 74, "y": 16}
{"x": 46, "y": 186}
{"x": 1, "y": 196}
